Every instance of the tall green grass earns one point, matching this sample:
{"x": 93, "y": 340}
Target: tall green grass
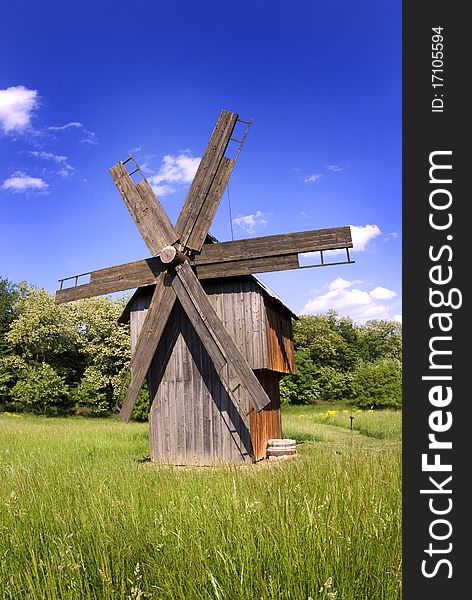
{"x": 380, "y": 424}
{"x": 82, "y": 516}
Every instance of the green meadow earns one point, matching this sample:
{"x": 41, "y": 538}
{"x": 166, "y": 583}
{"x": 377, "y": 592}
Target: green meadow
{"x": 84, "y": 514}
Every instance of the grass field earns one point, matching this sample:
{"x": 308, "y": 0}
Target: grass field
{"x": 84, "y": 515}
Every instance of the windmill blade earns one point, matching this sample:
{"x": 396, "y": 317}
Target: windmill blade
{"x": 269, "y": 253}
{"x": 216, "y": 339}
{"x": 113, "y": 279}
{"x": 226, "y": 259}
{"x": 203, "y": 199}
{"x": 145, "y": 209}
{"x": 161, "y": 305}
{"x": 247, "y": 267}
{"x": 334, "y": 238}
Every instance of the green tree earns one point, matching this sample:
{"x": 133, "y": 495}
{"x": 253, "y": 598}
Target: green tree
{"x": 10, "y": 294}
{"x": 315, "y": 335}
{"x": 82, "y": 342}
{"x": 302, "y": 387}
{"x": 333, "y": 384}
{"x": 105, "y": 346}
{"x": 380, "y": 339}
{"x": 43, "y": 332}
{"x": 378, "y": 384}
{"x": 12, "y": 368}
{"x": 41, "y": 389}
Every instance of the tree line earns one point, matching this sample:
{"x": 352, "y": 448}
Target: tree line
{"x": 337, "y": 359}
{"x": 74, "y": 358}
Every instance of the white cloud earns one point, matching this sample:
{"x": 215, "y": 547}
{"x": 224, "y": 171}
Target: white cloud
{"x": 21, "y": 182}
{"x": 340, "y": 284}
{"x": 362, "y": 235}
{"x": 72, "y": 124}
{"x": 175, "y": 170}
{"x": 335, "y": 168}
{"x": 381, "y": 293}
{"x": 398, "y": 318}
{"x": 360, "y": 305}
{"x": 390, "y": 236}
{"x": 89, "y": 136}
{"x": 48, "y": 156}
{"x": 66, "y": 169}
{"x": 312, "y": 178}
{"x": 16, "y": 107}
{"x": 250, "y": 223}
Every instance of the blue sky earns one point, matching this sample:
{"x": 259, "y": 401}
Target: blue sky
{"x": 83, "y": 85}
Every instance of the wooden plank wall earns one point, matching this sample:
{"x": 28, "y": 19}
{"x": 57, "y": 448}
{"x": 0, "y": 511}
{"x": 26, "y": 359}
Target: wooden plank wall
{"x": 192, "y": 419}
{"x": 266, "y": 424}
{"x": 240, "y": 305}
{"x": 280, "y": 348}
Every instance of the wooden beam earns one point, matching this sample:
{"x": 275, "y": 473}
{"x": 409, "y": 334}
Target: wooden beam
{"x": 161, "y": 305}
{"x": 145, "y": 209}
{"x": 211, "y": 203}
{"x": 194, "y": 300}
{"x": 193, "y": 222}
{"x": 276, "y": 245}
{"x": 114, "y": 279}
{"x": 247, "y": 267}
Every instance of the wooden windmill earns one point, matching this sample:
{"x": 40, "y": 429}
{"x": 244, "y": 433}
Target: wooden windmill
{"x": 184, "y": 260}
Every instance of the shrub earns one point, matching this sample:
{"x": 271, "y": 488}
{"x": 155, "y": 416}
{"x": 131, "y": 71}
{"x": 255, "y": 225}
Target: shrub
{"x": 90, "y": 397}
{"x": 378, "y": 385}
{"x": 40, "y": 389}
{"x": 12, "y": 367}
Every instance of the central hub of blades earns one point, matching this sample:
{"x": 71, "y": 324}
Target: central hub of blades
{"x": 171, "y": 256}
{"x": 168, "y": 254}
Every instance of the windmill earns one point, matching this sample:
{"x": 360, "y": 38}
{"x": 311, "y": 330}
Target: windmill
{"x": 183, "y": 258}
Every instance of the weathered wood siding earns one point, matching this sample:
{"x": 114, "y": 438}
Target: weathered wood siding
{"x": 280, "y": 348}
{"x": 192, "y": 418}
{"x": 240, "y": 305}
{"x": 266, "y": 424}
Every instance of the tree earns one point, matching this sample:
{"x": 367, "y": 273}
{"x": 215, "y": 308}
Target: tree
{"x": 41, "y": 389}
{"x": 82, "y": 342}
{"x": 43, "y": 332}
{"x": 330, "y": 340}
{"x": 314, "y": 335}
{"x": 333, "y": 384}
{"x": 10, "y": 294}
{"x": 378, "y": 384}
{"x": 105, "y": 345}
{"x": 380, "y": 339}
{"x": 300, "y": 388}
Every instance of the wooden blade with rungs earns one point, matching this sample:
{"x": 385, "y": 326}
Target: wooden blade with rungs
{"x": 114, "y": 279}
{"x": 157, "y": 314}
{"x": 145, "y": 209}
{"x": 203, "y": 199}
{"x": 216, "y": 339}
{"x": 226, "y": 259}
{"x": 334, "y": 238}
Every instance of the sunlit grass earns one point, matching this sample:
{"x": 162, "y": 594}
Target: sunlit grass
{"x": 82, "y": 516}
{"x": 381, "y": 424}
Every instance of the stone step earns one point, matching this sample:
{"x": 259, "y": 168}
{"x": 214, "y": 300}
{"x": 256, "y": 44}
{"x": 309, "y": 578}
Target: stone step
{"x": 280, "y": 443}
